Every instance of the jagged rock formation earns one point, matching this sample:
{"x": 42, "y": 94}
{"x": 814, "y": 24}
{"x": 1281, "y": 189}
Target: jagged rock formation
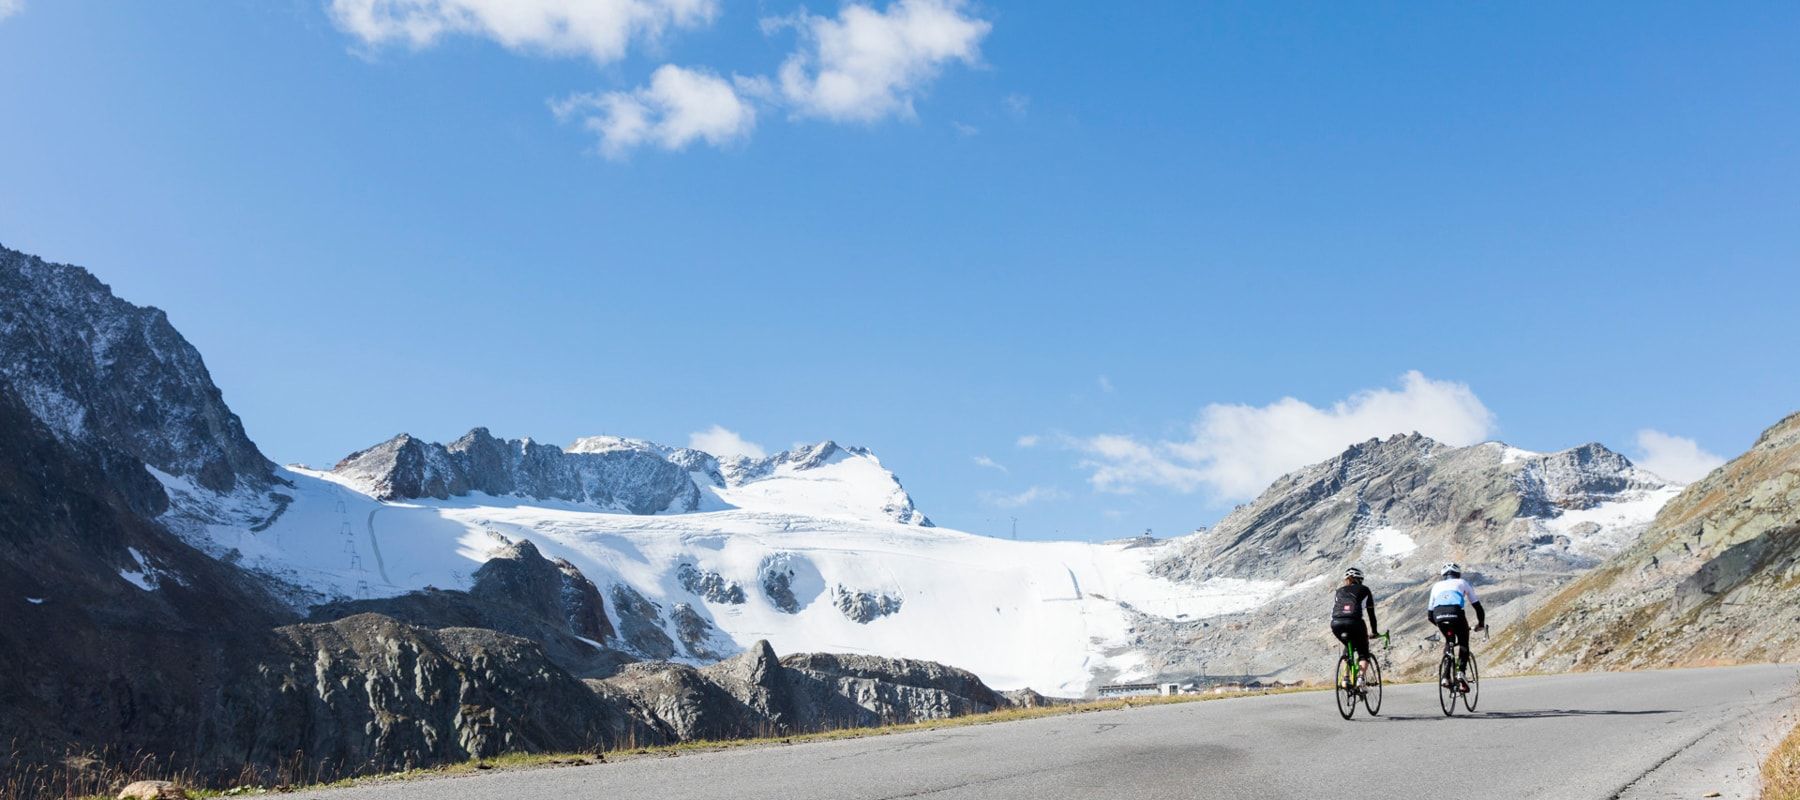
{"x": 1714, "y": 579}
{"x": 629, "y": 480}
{"x": 550, "y": 588}
{"x": 862, "y": 606}
{"x": 94, "y": 368}
{"x": 1397, "y": 507}
{"x": 367, "y": 693}
{"x": 710, "y": 585}
{"x": 516, "y": 592}
{"x": 785, "y": 580}
{"x": 756, "y": 694}
{"x": 641, "y": 624}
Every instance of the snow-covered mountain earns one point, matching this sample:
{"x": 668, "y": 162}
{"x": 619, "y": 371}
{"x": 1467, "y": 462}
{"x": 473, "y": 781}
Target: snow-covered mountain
{"x": 814, "y": 549}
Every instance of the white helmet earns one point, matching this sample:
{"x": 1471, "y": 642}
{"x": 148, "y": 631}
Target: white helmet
{"x": 1353, "y": 572}
{"x": 1451, "y": 568}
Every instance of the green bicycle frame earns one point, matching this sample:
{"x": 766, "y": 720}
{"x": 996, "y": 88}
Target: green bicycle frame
{"x": 1350, "y": 650}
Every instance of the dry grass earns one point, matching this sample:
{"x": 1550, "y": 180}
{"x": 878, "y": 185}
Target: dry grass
{"x": 1781, "y": 772}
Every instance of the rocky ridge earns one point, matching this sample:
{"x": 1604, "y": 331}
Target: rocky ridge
{"x": 627, "y": 480}
{"x": 1713, "y": 580}
{"x": 94, "y": 368}
{"x": 1521, "y": 523}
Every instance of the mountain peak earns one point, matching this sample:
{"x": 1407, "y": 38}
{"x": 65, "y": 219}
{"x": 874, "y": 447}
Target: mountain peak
{"x": 97, "y": 369}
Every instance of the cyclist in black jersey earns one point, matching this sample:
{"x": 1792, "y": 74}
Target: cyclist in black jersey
{"x": 1347, "y": 607}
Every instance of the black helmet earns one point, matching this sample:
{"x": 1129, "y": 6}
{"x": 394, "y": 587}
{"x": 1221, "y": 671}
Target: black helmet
{"x": 1353, "y": 572}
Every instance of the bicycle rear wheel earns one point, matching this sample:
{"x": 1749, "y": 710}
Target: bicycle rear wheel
{"x": 1473, "y": 695}
{"x": 1346, "y": 692}
{"x": 1447, "y": 684}
{"x": 1372, "y": 687}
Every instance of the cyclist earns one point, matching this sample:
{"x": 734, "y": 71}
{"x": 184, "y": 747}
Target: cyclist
{"x": 1448, "y": 596}
{"x": 1347, "y": 606}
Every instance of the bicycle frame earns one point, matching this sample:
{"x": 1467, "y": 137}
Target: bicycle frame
{"x": 1350, "y": 653}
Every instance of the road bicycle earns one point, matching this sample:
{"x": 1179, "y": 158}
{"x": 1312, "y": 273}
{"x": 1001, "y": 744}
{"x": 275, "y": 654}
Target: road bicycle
{"x": 1452, "y": 687}
{"x": 1353, "y": 683}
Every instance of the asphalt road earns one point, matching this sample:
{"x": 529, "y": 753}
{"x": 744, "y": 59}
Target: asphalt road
{"x": 1671, "y": 734}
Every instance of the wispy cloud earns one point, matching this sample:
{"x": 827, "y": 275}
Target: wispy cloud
{"x": 1234, "y": 451}
{"x": 724, "y": 443}
{"x": 866, "y": 65}
{"x": 601, "y": 30}
{"x": 11, "y": 7}
{"x": 984, "y": 461}
{"x": 1017, "y": 104}
{"x": 1105, "y": 383}
{"x": 1029, "y": 440}
{"x": 679, "y": 107}
{"x": 1677, "y": 458}
{"x": 1035, "y": 494}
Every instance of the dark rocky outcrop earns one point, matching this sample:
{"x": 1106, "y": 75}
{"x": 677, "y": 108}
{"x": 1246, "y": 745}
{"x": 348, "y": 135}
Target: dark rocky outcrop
{"x": 757, "y": 694}
{"x": 709, "y": 585}
{"x": 552, "y": 589}
{"x": 94, "y": 368}
{"x": 631, "y": 480}
{"x": 641, "y": 624}
{"x": 864, "y": 607}
{"x": 517, "y": 592}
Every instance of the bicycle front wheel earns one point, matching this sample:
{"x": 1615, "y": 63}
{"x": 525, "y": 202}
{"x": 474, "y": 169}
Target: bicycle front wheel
{"x": 1447, "y": 684}
{"x": 1473, "y": 695}
{"x": 1372, "y": 687}
{"x": 1346, "y": 688}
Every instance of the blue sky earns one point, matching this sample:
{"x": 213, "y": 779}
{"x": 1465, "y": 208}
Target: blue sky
{"x": 944, "y": 229}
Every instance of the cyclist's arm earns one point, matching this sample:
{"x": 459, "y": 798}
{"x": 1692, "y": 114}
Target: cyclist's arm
{"x": 1374, "y": 629}
{"x": 1475, "y": 603}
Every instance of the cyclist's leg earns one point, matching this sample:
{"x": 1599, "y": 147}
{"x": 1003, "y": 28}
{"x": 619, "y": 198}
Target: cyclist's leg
{"x": 1462, "y": 644}
{"x": 1359, "y": 638}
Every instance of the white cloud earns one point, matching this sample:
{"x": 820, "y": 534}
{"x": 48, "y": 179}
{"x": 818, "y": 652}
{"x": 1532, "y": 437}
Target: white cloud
{"x": 984, "y": 461}
{"x": 1029, "y": 440}
{"x": 1017, "y": 104}
{"x": 11, "y": 7}
{"x": 724, "y": 443}
{"x": 1035, "y": 494}
{"x": 679, "y": 107}
{"x": 1106, "y": 384}
{"x": 602, "y": 30}
{"x": 1235, "y": 451}
{"x": 964, "y": 129}
{"x": 865, "y": 65}
{"x": 1677, "y": 458}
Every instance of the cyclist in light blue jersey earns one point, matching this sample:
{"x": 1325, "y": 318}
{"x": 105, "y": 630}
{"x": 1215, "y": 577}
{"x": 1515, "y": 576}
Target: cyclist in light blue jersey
{"x": 1448, "y": 596}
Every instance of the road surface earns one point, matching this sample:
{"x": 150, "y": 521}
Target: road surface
{"x": 1671, "y": 734}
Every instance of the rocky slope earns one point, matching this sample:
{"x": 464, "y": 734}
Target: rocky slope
{"x": 1713, "y": 580}
{"x": 1521, "y": 524}
{"x": 94, "y": 368}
